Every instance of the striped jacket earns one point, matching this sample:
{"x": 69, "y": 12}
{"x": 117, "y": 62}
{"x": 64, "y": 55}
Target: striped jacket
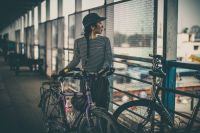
{"x": 100, "y": 54}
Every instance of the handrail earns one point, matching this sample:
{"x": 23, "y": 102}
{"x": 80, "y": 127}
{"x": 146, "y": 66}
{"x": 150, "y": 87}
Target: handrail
{"x": 179, "y": 64}
{"x": 176, "y": 64}
{"x": 125, "y": 92}
{"x": 143, "y": 81}
{"x": 182, "y": 93}
{"x": 132, "y": 64}
{"x": 185, "y": 116}
{"x": 148, "y": 60}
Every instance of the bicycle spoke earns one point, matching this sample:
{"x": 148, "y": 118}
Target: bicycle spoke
{"x": 102, "y": 123}
{"x": 138, "y": 116}
{"x": 53, "y": 116}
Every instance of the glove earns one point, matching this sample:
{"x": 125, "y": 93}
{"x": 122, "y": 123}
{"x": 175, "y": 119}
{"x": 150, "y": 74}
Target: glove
{"x": 103, "y": 71}
{"x": 64, "y": 71}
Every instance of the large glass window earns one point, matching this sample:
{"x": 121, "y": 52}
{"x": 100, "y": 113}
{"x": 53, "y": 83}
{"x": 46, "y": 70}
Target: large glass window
{"x": 68, "y": 7}
{"x": 87, "y": 4}
{"x": 53, "y": 9}
{"x": 133, "y": 28}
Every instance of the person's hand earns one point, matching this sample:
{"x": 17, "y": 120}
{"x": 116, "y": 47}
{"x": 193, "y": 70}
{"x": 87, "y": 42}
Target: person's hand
{"x": 64, "y": 71}
{"x": 103, "y": 71}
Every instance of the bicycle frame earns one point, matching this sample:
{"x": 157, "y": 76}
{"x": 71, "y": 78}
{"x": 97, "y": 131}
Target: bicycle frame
{"x": 83, "y": 116}
{"x": 157, "y": 87}
{"x": 89, "y": 100}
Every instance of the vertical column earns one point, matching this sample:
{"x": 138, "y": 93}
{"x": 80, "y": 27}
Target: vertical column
{"x": 22, "y": 35}
{"x": 32, "y": 16}
{"x": 61, "y": 28}
{"x": 170, "y": 48}
{"x": 27, "y": 18}
{"x": 32, "y": 35}
{"x": 78, "y": 18}
{"x": 39, "y": 21}
{"x": 48, "y": 40}
{"x": 47, "y": 10}
{"x": 60, "y": 8}
{"x": 109, "y": 26}
{"x": 16, "y": 34}
{"x": 27, "y": 36}
{"x": 39, "y": 13}
{"x": 22, "y": 30}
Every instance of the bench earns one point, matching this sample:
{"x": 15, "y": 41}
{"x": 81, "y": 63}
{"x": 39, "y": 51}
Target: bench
{"x": 16, "y": 61}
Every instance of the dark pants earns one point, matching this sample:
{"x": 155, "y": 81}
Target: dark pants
{"x": 99, "y": 91}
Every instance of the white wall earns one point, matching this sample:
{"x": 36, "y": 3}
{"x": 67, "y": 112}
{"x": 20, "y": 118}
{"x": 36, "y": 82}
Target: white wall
{"x": 188, "y": 12}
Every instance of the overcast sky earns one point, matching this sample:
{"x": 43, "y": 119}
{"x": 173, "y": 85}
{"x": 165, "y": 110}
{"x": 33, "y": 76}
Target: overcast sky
{"x": 189, "y": 13}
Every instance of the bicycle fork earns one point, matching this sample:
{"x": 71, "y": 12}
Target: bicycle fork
{"x": 88, "y": 108}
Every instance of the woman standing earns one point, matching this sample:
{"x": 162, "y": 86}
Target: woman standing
{"x": 94, "y": 52}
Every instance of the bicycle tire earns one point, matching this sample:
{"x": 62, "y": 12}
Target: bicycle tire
{"x": 53, "y": 113}
{"x": 98, "y": 116}
{"x": 128, "y": 116}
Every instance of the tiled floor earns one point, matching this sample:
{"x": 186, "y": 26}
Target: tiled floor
{"x": 19, "y": 98}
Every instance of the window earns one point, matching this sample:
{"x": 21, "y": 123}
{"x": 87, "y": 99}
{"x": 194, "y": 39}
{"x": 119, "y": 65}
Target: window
{"x": 87, "y": 4}
{"x": 53, "y": 9}
{"x": 68, "y": 7}
{"x": 196, "y": 47}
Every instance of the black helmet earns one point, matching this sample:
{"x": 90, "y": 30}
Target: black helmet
{"x": 92, "y": 18}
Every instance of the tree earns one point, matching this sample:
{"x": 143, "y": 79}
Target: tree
{"x": 119, "y": 39}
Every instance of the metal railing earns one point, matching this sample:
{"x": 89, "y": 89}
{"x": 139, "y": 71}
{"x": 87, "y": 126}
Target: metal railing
{"x": 176, "y": 64}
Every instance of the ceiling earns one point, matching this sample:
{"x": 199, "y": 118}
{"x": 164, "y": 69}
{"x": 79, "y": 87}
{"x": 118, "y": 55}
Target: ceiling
{"x": 10, "y": 10}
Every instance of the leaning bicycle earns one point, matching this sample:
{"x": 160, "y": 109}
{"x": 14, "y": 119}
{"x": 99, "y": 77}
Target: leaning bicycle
{"x": 150, "y": 115}
{"x": 61, "y": 119}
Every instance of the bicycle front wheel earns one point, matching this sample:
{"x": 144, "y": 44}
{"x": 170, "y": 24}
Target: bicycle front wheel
{"x": 53, "y": 113}
{"x": 141, "y": 116}
{"x": 99, "y": 121}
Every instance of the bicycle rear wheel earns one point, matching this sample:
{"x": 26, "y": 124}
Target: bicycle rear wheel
{"x": 100, "y": 121}
{"x": 138, "y": 117}
{"x": 53, "y": 113}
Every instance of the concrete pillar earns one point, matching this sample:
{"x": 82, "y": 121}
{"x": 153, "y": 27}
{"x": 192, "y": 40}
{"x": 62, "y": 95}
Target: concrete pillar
{"x": 27, "y": 19}
{"x": 109, "y": 26}
{"x": 39, "y": 13}
{"x": 78, "y": 5}
{"x": 47, "y": 10}
{"x": 78, "y": 18}
{"x": 60, "y": 8}
{"x": 170, "y": 49}
{"x": 22, "y": 30}
{"x": 32, "y": 16}
{"x": 170, "y": 29}
{"x": 48, "y": 40}
{"x": 61, "y": 28}
{"x": 49, "y": 48}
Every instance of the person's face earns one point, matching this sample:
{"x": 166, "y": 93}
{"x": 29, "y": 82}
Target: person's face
{"x": 98, "y": 28}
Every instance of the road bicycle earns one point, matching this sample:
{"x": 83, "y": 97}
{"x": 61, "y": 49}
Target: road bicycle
{"x": 90, "y": 119}
{"x": 150, "y": 115}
